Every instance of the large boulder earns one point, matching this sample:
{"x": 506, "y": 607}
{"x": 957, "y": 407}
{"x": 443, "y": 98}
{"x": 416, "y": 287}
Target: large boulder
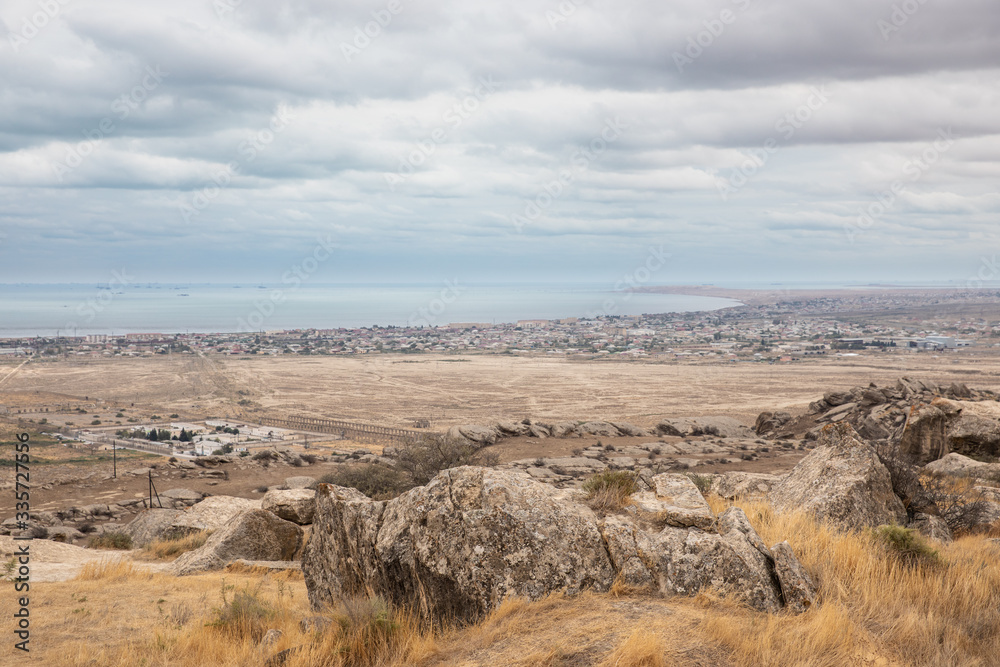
{"x": 770, "y": 421}
{"x": 732, "y": 485}
{"x": 295, "y": 505}
{"x": 480, "y": 435}
{"x": 251, "y": 535}
{"x": 973, "y": 434}
{"x": 797, "y": 587}
{"x": 626, "y": 428}
{"x": 923, "y": 438}
{"x": 961, "y": 466}
{"x": 842, "y": 481}
{"x": 675, "y": 501}
{"x": 457, "y": 547}
{"x": 599, "y": 428}
{"x": 151, "y": 524}
{"x": 212, "y": 513}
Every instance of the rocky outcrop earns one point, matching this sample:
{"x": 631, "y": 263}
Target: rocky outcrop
{"x": 455, "y": 548}
{"x": 150, "y": 525}
{"x": 255, "y": 535}
{"x": 733, "y": 485}
{"x": 932, "y": 526}
{"x": 797, "y": 587}
{"x": 768, "y": 422}
{"x": 675, "y": 501}
{"x": 295, "y": 505}
{"x": 962, "y": 466}
{"x": 925, "y": 419}
{"x": 842, "y": 481}
{"x": 723, "y": 427}
{"x": 923, "y": 439}
{"x": 212, "y": 513}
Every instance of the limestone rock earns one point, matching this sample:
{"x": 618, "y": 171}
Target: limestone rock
{"x": 956, "y": 464}
{"x": 733, "y": 485}
{"x": 251, "y": 535}
{"x": 458, "y": 546}
{"x": 295, "y": 505}
{"x": 973, "y": 434}
{"x": 770, "y": 421}
{"x": 841, "y": 481}
{"x": 625, "y": 428}
{"x": 931, "y": 526}
{"x": 481, "y": 435}
{"x": 797, "y": 587}
{"x": 301, "y": 482}
{"x": 675, "y": 501}
{"x": 923, "y": 437}
{"x": 213, "y": 513}
{"x": 149, "y": 525}
{"x": 599, "y": 428}
{"x": 835, "y": 398}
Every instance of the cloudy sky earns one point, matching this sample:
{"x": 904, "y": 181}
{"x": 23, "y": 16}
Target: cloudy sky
{"x": 524, "y": 140}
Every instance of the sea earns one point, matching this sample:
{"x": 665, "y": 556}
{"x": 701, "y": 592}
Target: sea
{"x": 28, "y": 310}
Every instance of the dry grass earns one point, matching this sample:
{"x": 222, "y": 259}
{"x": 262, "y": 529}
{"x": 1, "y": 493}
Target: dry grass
{"x": 915, "y": 614}
{"x": 874, "y": 608}
{"x": 171, "y": 549}
{"x": 610, "y": 490}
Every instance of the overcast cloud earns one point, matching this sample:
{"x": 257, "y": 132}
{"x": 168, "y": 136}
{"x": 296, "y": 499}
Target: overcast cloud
{"x": 217, "y": 140}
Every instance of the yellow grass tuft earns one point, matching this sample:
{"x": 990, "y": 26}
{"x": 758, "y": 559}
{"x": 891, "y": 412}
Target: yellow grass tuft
{"x": 643, "y": 648}
{"x": 171, "y": 549}
{"x": 112, "y": 569}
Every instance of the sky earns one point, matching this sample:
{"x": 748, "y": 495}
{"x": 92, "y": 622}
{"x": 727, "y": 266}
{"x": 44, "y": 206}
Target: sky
{"x": 369, "y": 141}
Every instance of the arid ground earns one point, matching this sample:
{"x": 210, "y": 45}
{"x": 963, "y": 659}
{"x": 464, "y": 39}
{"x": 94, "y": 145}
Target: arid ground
{"x": 447, "y": 390}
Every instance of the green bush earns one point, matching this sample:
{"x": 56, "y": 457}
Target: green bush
{"x": 907, "y": 544}
{"x": 111, "y": 540}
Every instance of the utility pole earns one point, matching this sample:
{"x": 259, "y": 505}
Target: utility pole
{"x": 114, "y": 456}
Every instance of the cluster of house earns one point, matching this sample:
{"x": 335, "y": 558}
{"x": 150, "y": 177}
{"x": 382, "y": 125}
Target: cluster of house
{"x": 788, "y": 330}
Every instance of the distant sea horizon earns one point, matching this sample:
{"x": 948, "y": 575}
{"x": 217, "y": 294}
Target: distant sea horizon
{"x": 120, "y": 307}
{"x": 80, "y": 309}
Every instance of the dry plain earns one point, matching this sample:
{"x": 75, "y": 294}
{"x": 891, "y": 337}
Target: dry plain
{"x": 394, "y": 390}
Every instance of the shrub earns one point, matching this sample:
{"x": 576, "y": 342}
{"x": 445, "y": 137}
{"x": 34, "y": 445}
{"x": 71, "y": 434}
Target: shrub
{"x": 424, "y": 459}
{"x": 907, "y": 544}
{"x": 610, "y": 490}
{"x": 375, "y": 480}
{"x": 264, "y": 455}
{"x": 38, "y": 532}
{"x": 244, "y": 614}
{"x": 703, "y": 482}
{"x": 86, "y": 528}
{"x": 113, "y": 539}
{"x": 309, "y": 458}
{"x": 961, "y": 509}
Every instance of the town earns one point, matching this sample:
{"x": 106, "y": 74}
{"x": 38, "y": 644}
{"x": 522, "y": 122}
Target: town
{"x": 789, "y": 330}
